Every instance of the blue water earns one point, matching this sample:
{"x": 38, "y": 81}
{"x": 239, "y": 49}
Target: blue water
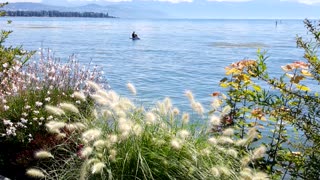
{"x": 172, "y": 56}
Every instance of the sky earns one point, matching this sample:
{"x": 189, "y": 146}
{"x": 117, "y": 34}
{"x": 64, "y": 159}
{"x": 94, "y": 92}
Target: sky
{"x": 238, "y": 9}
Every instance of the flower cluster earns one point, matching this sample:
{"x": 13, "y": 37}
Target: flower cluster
{"x": 26, "y": 89}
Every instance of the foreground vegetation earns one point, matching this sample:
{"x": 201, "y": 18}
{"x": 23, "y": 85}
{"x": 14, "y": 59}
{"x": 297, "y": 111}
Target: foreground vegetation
{"x": 60, "y": 121}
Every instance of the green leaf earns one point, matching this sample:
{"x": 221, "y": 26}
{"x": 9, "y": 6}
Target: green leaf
{"x": 302, "y": 87}
{"x": 256, "y": 88}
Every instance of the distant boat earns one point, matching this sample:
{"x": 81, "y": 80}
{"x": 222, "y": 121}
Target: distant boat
{"x": 135, "y": 38}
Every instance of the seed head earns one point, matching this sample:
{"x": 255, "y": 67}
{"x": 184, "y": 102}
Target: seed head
{"x": 185, "y": 118}
{"x": 213, "y": 141}
{"x": 232, "y": 152}
{"x": 215, "y": 172}
{"x": 55, "y": 126}
{"x": 69, "y": 107}
{"x": 79, "y": 95}
{"x": 132, "y": 88}
{"x": 175, "y": 143}
{"x": 189, "y": 95}
{"x": 225, "y": 140}
{"x": 35, "y": 173}
{"x": 215, "y": 120}
{"x": 183, "y": 134}
{"x": 98, "y": 168}
{"x": 91, "y": 135}
{"x": 228, "y": 132}
{"x": 150, "y": 118}
{"x": 94, "y": 85}
{"x": 43, "y": 155}
{"x": 54, "y": 110}
{"x": 259, "y": 152}
{"x": 86, "y": 152}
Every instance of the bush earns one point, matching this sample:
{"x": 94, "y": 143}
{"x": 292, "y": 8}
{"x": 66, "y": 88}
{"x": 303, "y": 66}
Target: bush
{"x": 285, "y": 105}
{"x": 25, "y": 89}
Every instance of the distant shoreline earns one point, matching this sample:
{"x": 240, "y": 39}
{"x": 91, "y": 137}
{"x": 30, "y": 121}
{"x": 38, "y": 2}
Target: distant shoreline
{"x": 54, "y": 13}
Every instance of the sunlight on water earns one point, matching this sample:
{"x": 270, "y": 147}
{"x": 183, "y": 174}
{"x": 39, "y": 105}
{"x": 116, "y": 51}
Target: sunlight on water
{"x": 239, "y": 45}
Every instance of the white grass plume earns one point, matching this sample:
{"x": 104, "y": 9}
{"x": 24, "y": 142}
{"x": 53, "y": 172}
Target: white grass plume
{"x": 35, "y": 173}
{"x": 215, "y": 120}
{"x": 183, "y": 134}
{"x": 132, "y": 89}
{"x": 259, "y": 152}
{"x": 185, "y": 118}
{"x": 69, "y": 107}
{"x": 97, "y": 168}
{"x": 150, "y": 118}
{"x": 189, "y": 94}
{"x": 43, "y": 154}
{"x": 99, "y": 99}
{"x": 228, "y": 132}
{"x": 54, "y": 110}
{"x": 55, "y": 126}
{"x": 86, "y": 152}
{"x": 232, "y": 152}
{"x": 197, "y": 107}
{"x": 94, "y": 85}
{"x": 225, "y": 140}
{"x": 91, "y": 134}
{"x": 176, "y": 144}
{"x": 79, "y": 95}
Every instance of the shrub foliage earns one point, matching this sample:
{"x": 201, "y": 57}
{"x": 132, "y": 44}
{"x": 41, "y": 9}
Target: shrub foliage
{"x": 287, "y": 106}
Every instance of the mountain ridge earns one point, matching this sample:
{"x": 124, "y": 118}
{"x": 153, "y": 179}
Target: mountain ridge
{"x": 117, "y": 10}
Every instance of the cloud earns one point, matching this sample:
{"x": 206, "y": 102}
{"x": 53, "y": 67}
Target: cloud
{"x": 308, "y": 2}
{"x": 175, "y": 1}
{"x": 171, "y": 1}
{"x": 99, "y": 0}
{"x": 14, "y": 1}
{"x": 230, "y": 0}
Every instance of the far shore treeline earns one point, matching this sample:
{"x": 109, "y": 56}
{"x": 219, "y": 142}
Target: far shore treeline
{"x": 54, "y": 13}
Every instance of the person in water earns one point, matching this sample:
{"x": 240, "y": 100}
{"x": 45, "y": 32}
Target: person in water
{"x": 134, "y": 35}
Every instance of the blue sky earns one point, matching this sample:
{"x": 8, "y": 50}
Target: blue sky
{"x": 254, "y": 9}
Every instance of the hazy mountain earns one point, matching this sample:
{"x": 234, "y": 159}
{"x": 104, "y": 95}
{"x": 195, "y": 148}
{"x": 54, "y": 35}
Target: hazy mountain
{"x": 32, "y": 7}
{"x": 117, "y": 10}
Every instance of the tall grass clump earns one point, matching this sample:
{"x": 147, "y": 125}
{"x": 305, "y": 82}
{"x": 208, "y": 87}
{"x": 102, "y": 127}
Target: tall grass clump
{"x": 129, "y": 142}
{"x": 285, "y": 110}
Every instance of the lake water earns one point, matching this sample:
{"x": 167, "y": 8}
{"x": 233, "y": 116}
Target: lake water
{"x": 172, "y": 56}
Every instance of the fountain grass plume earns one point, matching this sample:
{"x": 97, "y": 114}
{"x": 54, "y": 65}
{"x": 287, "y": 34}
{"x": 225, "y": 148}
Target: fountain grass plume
{"x": 153, "y": 144}
{"x": 69, "y": 107}
{"x": 43, "y": 154}
{"x": 54, "y": 110}
{"x": 132, "y": 88}
{"x": 35, "y": 173}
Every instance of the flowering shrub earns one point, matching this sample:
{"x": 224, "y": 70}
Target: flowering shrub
{"x": 125, "y": 141}
{"x": 25, "y": 89}
{"x": 29, "y": 88}
{"x": 290, "y": 109}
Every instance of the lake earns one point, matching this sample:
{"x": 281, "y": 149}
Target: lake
{"x": 172, "y": 56}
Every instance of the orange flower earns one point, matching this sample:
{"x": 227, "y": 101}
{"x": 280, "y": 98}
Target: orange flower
{"x": 295, "y": 65}
{"x": 258, "y": 113}
{"x": 243, "y": 64}
{"x": 299, "y": 64}
{"x": 214, "y": 94}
